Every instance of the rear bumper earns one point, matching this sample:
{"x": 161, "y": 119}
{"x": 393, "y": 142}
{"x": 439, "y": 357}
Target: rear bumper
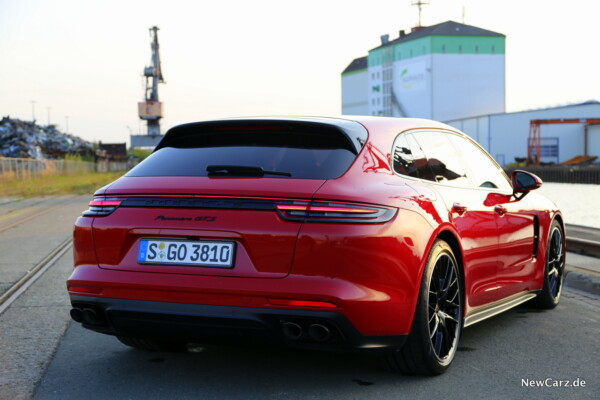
{"x": 229, "y": 325}
{"x": 372, "y": 308}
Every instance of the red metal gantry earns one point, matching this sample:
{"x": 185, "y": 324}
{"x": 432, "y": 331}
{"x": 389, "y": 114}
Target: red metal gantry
{"x": 534, "y": 140}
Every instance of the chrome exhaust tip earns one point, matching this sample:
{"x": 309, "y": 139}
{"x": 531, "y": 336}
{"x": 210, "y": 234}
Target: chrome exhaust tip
{"x": 76, "y": 314}
{"x": 292, "y": 330}
{"x": 319, "y": 333}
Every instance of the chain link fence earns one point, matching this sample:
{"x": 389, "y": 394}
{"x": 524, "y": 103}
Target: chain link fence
{"x": 18, "y": 169}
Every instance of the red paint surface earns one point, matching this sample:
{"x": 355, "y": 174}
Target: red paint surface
{"x": 370, "y": 272}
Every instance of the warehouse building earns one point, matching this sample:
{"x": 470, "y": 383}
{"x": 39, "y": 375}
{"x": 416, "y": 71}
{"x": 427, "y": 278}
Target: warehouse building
{"x": 505, "y": 135}
{"x": 455, "y": 73}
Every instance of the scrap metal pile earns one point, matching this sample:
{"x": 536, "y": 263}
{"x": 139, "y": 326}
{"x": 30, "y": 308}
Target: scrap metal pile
{"x": 25, "y": 139}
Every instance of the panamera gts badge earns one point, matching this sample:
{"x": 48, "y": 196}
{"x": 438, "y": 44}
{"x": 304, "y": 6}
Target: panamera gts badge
{"x": 200, "y": 218}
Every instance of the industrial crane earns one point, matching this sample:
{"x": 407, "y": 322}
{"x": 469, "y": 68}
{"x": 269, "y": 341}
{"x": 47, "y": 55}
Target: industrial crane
{"x": 534, "y": 142}
{"x": 150, "y": 110}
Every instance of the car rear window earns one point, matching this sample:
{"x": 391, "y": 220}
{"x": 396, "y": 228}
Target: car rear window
{"x": 304, "y": 151}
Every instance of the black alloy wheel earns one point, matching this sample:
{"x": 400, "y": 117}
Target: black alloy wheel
{"x": 556, "y": 263}
{"x": 554, "y": 269}
{"x": 438, "y": 321}
{"x": 444, "y": 307}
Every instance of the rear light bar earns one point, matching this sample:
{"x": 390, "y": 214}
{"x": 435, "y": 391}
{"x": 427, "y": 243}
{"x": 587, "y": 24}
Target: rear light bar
{"x": 288, "y": 210}
{"x": 301, "y": 303}
{"x": 85, "y": 289}
{"x": 336, "y": 212}
{"x": 102, "y": 206}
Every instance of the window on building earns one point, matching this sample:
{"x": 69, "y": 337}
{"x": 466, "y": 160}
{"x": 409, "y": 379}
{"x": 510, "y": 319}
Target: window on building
{"x": 493, "y": 49}
{"x": 444, "y": 48}
{"x": 459, "y": 49}
{"x": 476, "y": 49}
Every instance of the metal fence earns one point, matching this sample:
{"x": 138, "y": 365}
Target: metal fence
{"x": 17, "y": 169}
{"x": 564, "y": 173}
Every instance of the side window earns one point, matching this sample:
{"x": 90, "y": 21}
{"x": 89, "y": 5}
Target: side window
{"x": 423, "y": 168}
{"x": 483, "y": 171}
{"x": 408, "y": 158}
{"x": 403, "y": 159}
{"x": 443, "y": 159}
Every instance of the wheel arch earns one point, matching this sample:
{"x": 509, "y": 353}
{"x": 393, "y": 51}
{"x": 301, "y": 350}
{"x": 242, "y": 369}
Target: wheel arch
{"x": 558, "y": 217}
{"x": 447, "y": 234}
{"x": 545, "y": 223}
{"x": 454, "y": 243}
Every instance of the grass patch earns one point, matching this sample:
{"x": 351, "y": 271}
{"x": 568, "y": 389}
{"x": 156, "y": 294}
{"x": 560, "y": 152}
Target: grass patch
{"x": 68, "y": 184}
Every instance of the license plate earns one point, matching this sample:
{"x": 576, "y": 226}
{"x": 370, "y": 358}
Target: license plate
{"x": 202, "y": 253}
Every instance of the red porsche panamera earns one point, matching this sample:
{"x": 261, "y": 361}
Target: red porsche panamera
{"x": 345, "y": 233}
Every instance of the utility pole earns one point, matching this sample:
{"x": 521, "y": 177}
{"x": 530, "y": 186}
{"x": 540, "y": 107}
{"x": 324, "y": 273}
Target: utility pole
{"x": 420, "y": 4}
{"x": 33, "y": 110}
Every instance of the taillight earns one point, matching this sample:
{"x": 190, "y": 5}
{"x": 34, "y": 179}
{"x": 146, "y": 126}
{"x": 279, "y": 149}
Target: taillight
{"x": 300, "y": 303}
{"x": 336, "y": 212}
{"x": 102, "y": 206}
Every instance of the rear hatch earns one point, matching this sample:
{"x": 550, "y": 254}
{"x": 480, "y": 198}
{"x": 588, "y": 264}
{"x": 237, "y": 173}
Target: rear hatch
{"x": 218, "y": 198}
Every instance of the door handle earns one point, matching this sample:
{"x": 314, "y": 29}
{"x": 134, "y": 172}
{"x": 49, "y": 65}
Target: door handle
{"x": 500, "y": 210}
{"x": 459, "y": 208}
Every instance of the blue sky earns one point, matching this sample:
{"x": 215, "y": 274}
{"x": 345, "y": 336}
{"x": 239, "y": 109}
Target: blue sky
{"x": 83, "y": 60}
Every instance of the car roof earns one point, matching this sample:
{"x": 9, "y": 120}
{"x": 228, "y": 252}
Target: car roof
{"x": 375, "y": 125}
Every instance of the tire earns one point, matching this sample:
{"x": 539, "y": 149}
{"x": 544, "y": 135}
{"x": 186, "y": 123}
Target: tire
{"x": 554, "y": 269}
{"x": 153, "y": 344}
{"x": 438, "y": 320}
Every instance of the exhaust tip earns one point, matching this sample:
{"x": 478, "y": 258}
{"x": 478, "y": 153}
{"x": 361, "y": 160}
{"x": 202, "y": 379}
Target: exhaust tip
{"x": 292, "y": 330}
{"x": 76, "y": 314}
{"x": 319, "y": 333}
{"x": 91, "y": 317}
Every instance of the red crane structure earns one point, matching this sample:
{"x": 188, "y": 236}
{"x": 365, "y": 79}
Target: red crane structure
{"x": 534, "y": 145}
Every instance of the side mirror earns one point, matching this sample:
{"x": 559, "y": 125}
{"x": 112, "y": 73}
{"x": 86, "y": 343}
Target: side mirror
{"x": 524, "y": 182}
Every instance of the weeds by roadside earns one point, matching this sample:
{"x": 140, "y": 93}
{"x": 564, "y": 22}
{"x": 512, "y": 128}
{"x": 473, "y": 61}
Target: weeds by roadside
{"x": 67, "y": 184}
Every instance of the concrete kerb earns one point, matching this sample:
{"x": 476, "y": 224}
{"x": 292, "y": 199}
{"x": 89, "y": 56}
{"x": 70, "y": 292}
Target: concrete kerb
{"x": 583, "y": 282}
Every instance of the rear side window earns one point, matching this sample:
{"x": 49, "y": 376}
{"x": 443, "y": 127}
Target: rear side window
{"x": 299, "y": 151}
{"x": 409, "y": 158}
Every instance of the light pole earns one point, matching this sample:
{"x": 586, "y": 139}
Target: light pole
{"x": 48, "y": 108}
{"x": 33, "y": 110}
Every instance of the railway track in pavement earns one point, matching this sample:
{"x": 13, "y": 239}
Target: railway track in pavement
{"x": 34, "y": 234}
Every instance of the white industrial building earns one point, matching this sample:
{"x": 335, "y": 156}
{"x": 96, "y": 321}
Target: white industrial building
{"x": 455, "y": 73}
{"x": 504, "y": 135}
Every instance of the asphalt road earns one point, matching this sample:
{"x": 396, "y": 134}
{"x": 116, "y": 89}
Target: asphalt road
{"x": 494, "y": 358}
{"x": 44, "y": 356}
